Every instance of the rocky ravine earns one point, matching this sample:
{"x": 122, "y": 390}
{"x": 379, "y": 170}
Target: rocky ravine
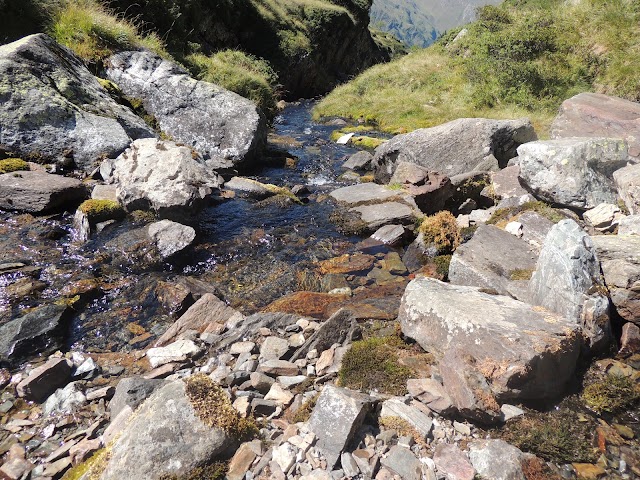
{"x": 417, "y": 354}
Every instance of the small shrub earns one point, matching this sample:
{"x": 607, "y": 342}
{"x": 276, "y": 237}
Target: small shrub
{"x": 304, "y": 412}
{"x": 442, "y": 265}
{"x": 612, "y": 394}
{"x": 403, "y": 428}
{"x": 9, "y": 165}
{"x": 101, "y": 210}
{"x": 372, "y": 364}
{"x": 214, "y": 408}
{"x": 441, "y": 230}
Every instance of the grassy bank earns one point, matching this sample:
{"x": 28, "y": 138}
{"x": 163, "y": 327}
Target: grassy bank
{"x": 522, "y": 58}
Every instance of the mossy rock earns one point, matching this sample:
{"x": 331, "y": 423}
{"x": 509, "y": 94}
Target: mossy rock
{"x": 101, "y": 210}
{"x": 503, "y": 216}
{"x": 9, "y": 165}
{"x": 367, "y": 143}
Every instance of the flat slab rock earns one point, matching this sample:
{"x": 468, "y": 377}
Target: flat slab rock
{"x": 597, "y": 115}
{"x": 54, "y": 110}
{"x": 39, "y": 192}
{"x": 365, "y": 193}
{"x": 225, "y": 128}
{"x": 522, "y": 352}
{"x": 375, "y": 216}
{"x": 491, "y": 259}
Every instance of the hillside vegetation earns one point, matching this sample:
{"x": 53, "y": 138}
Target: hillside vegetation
{"x": 522, "y": 58}
{"x": 261, "y": 49}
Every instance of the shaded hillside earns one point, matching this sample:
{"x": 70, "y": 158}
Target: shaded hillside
{"x": 420, "y": 22}
{"x": 521, "y": 58}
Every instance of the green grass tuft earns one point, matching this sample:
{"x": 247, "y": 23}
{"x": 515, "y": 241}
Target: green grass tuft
{"x": 101, "y": 210}
{"x": 612, "y": 394}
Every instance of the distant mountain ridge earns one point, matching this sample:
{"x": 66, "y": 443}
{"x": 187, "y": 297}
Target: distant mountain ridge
{"x": 420, "y": 22}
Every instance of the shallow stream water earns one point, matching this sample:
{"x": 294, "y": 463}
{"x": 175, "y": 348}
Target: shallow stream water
{"x": 251, "y": 253}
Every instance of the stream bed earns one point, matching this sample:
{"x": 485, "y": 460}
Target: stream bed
{"x": 248, "y": 252}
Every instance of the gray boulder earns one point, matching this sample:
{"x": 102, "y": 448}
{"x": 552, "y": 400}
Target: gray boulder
{"x": 170, "y": 237}
{"x": 336, "y": 417}
{"x": 39, "y": 192}
{"x": 44, "y": 380}
{"x": 496, "y": 260}
{"x": 225, "y": 128}
{"x": 366, "y": 193}
{"x": 164, "y": 438}
{"x": 620, "y": 261}
{"x": 359, "y": 161}
{"x": 597, "y": 115}
{"x": 39, "y": 331}
{"x": 567, "y": 280}
{"x": 497, "y": 460}
{"x": 455, "y": 147}
{"x": 375, "y": 216}
{"x": 627, "y": 180}
{"x": 574, "y": 172}
{"x": 497, "y": 348}
{"x": 161, "y": 175}
{"x": 54, "y": 110}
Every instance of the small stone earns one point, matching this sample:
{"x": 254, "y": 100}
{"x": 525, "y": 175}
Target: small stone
{"x": 603, "y": 217}
{"x": 178, "y": 351}
{"x": 462, "y": 428}
{"x": 403, "y": 462}
{"x": 514, "y": 228}
{"x": 117, "y": 424}
{"x": 389, "y": 234}
{"x": 83, "y": 450}
{"x": 104, "y": 392}
{"x": 44, "y": 380}
{"x": 273, "y": 348}
{"x": 65, "y": 400}
{"x": 510, "y": 411}
{"x": 263, "y": 407}
{"x": 242, "y": 347}
{"x": 278, "y": 367}
{"x": 588, "y": 471}
{"x": 395, "y": 407}
{"x": 325, "y": 361}
{"x": 242, "y": 406}
{"x": 15, "y": 469}
{"x": 630, "y": 340}
{"x": 451, "y": 461}
{"x": 284, "y": 456}
{"x": 261, "y": 382}
{"x": 296, "y": 340}
{"x": 279, "y": 395}
{"x": 291, "y": 381}
{"x": 57, "y": 467}
{"x": 241, "y": 462}
{"x": 349, "y": 465}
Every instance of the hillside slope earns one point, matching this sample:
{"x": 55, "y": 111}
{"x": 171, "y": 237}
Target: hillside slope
{"x": 520, "y": 58}
{"x": 420, "y": 22}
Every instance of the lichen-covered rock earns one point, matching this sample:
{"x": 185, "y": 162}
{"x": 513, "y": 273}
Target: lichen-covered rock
{"x": 54, "y": 110}
{"x": 574, "y": 172}
{"x": 225, "y": 128}
{"x": 496, "y": 459}
{"x": 517, "y": 351}
{"x": 455, "y": 147}
{"x": 567, "y": 280}
{"x": 39, "y": 192}
{"x": 153, "y": 174}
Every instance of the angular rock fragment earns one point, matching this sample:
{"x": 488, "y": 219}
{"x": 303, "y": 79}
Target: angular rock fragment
{"x": 39, "y": 192}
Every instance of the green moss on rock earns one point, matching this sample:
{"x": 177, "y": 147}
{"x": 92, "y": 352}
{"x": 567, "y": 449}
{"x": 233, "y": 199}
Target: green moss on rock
{"x": 441, "y": 230}
{"x": 612, "y": 394}
{"x": 101, "y": 210}
{"x": 214, "y": 408}
{"x": 9, "y": 165}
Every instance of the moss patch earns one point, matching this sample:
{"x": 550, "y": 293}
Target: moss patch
{"x": 367, "y": 143}
{"x": 403, "y": 428}
{"x": 373, "y": 364}
{"x": 557, "y": 436}
{"x": 304, "y": 412}
{"x": 214, "y": 408}
{"x": 9, "y": 165}
{"x": 90, "y": 469}
{"x": 214, "y": 471}
{"x": 504, "y": 215}
{"x": 612, "y": 394}
{"x": 520, "y": 274}
{"x": 101, "y": 210}
{"x": 441, "y": 230}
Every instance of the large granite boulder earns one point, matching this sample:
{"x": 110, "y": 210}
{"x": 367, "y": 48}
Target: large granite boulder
{"x": 225, "y": 128}
{"x": 160, "y": 175}
{"x": 39, "y": 331}
{"x": 496, "y": 260}
{"x": 166, "y": 437}
{"x": 574, "y": 172}
{"x": 455, "y": 147}
{"x": 54, "y": 110}
{"x": 490, "y": 348}
{"x": 40, "y": 192}
{"x": 597, "y": 115}
{"x": 620, "y": 260}
{"x": 567, "y": 280}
